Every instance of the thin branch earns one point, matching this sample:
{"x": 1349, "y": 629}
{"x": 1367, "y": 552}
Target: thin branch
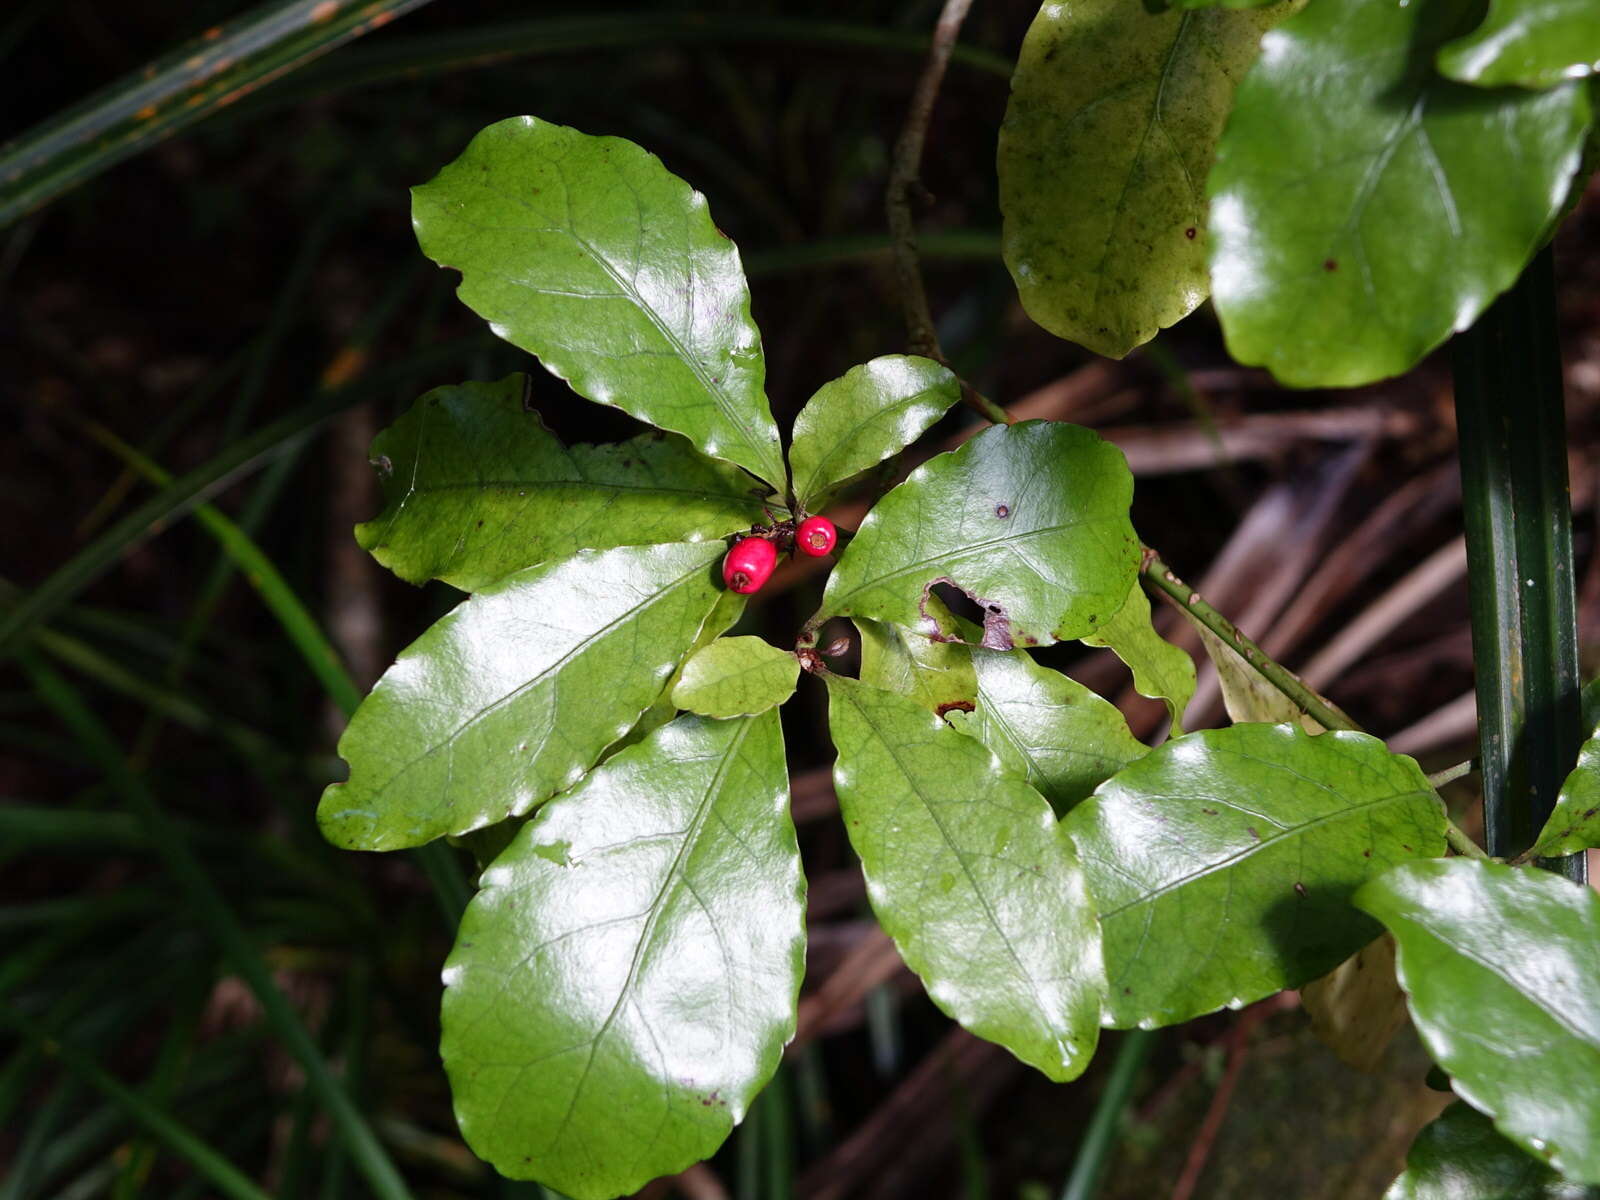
{"x": 905, "y": 181}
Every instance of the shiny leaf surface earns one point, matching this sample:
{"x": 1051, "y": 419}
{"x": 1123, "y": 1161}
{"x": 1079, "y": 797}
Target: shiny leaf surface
{"x": 1223, "y": 862}
{"x": 861, "y": 418}
{"x": 935, "y": 674}
{"x": 476, "y": 487}
{"x": 1029, "y": 520}
{"x": 513, "y": 694}
{"x": 736, "y": 677}
{"x": 1459, "y": 1156}
{"x": 1502, "y": 967}
{"x": 587, "y": 252}
{"x": 970, "y": 874}
{"x": 626, "y": 980}
{"x": 1527, "y": 43}
{"x": 1574, "y": 823}
{"x": 1161, "y": 670}
{"x": 1114, "y": 117}
{"x": 1363, "y": 207}
{"x": 1049, "y": 729}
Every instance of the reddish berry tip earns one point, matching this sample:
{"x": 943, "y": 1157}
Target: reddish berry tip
{"x": 816, "y": 536}
{"x": 749, "y": 564}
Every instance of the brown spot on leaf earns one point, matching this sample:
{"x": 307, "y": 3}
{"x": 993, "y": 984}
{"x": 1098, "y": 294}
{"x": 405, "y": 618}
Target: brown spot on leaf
{"x": 1300, "y": 889}
{"x": 1190, "y": 233}
{"x": 956, "y": 705}
{"x": 1251, "y": 830}
{"x": 1002, "y": 511}
{"x": 1330, "y": 264}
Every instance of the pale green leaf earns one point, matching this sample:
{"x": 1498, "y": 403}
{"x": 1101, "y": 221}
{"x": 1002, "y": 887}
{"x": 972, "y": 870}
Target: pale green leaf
{"x": 476, "y": 487}
{"x": 1574, "y": 824}
{"x": 626, "y": 980}
{"x": 1114, "y": 117}
{"x": 1527, "y": 43}
{"x": 936, "y": 674}
{"x": 1246, "y": 693}
{"x": 587, "y": 252}
{"x": 1362, "y": 206}
{"x": 970, "y": 874}
{"x": 1459, "y": 1156}
{"x": 861, "y": 418}
{"x": 1502, "y": 967}
{"x": 512, "y": 695}
{"x": 1161, "y": 670}
{"x": 1223, "y": 862}
{"x": 1358, "y": 1007}
{"x": 1051, "y": 730}
{"x": 736, "y": 677}
{"x": 1029, "y": 520}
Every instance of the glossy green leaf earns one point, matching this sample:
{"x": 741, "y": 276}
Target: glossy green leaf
{"x": 736, "y": 677}
{"x": 1527, "y": 43}
{"x": 1362, "y": 207}
{"x": 476, "y": 487}
{"x": 970, "y": 874}
{"x": 626, "y": 980}
{"x": 1459, "y": 1156}
{"x": 513, "y": 694}
{"x": 936, "y": 675}
{"x": 1029, "y": 520}
{"x": 1223, "y": 862}
{"x": 1502, "y": 967}
{"x": 587, "y": 252}
{"x": 861, "y": 418}
{"x": 1051, "y": 730}
{"x": 1161, "y": 670}
{"x": 1574, "y": 824}
{"x": 1114, "y": 117}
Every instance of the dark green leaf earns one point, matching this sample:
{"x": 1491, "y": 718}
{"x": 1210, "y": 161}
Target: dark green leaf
{"x": 1029, "y": 520}
{"x": 969, "y": 872}
{"x": 736, "y": 677}
{"x": 1223, "y": 862}
{"x": 1362, "y": 207}
{"x": 1459, "y": 1156}
{"x": 1161, "y": 670}
{"x": 1502, "y": 967}
{"x": 1114, "y": 117}
{"x": 1574, "y": 825}
{"x": 587, "y": 252}
{"x": 625, "y": 982}
{"x": 512, "y": 695}
{"x": 861, "y": 418}
{"x": 1528, "y": 43}
{"x": 1054, "y": 732}
{"x": 476, "y": 487}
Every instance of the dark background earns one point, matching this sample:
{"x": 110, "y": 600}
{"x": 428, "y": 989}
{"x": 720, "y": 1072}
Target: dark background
{"x": 193, "y": 294}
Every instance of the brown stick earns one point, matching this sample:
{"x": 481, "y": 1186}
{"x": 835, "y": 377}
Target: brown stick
{"x": 905, "y": 180}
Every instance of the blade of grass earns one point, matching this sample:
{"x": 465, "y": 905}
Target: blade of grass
{"x": 161, "y": 1086}
{"x": 207, "y": 904}
{"x": 189, "y": 83}
{"x": 1100, "y": 1139}
{"x": 37, "y": 1133}
{"x": 240, "y": 459}
{"x": 227, "y": 1178}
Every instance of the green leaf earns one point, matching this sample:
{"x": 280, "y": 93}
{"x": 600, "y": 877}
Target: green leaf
{"x": 1161, "y": 670}
{"x": 1114, "y": 118}
{"x": 1574, "y": 824}
{"x": 1459, "y": 1156}
{"x": 513, "y": 694}
{"x": 1029, "y": 520}
{"x": 587, "y": 252}
{"x": 1527, "y": 43}
{"x": 1223, "y": 862}
{"x": 1362, "y": 207}
{"x": 1050, "y": 730}
{"x": 861, "y": 418}
{"x": 1502, "y": 967}
{"x": 970, "y": 874}
{"x": 936, "y": 674}
{"x": 736, "y": 677}
{"x": 626, "y": 980}
{"x": 475, "y": 487}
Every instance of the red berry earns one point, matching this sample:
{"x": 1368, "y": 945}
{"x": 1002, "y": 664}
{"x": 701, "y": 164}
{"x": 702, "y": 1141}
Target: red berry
{"x": 749, "y": 564}
{"x": 816, "y": 536}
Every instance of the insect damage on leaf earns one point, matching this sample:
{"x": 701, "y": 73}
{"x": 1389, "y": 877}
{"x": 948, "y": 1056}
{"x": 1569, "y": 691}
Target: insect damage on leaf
{"x": 992, "y": 616}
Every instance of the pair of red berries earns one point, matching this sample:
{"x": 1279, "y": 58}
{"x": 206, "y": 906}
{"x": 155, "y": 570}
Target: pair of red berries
{"x": 749, "y": 564}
